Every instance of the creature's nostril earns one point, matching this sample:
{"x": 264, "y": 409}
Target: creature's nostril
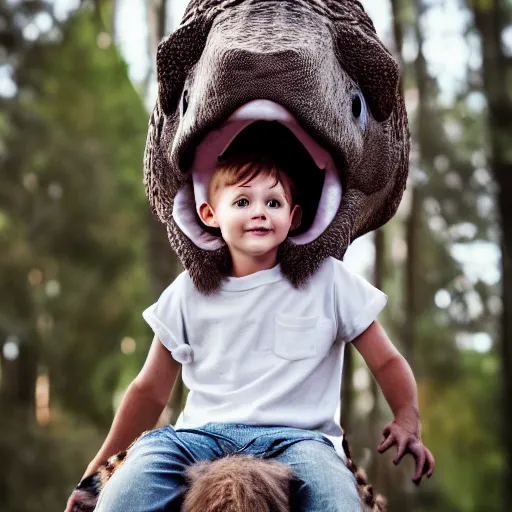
{"x": 357, "y": 107}
{"x": 184, "y": 102}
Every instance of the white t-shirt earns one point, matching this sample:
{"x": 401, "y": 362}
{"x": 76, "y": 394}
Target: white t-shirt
{"x": 260, "y": 351}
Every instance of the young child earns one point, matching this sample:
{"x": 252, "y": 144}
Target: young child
{"x": 262, "y": 361}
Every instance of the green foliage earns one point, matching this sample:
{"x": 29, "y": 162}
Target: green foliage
{"x": 74, "y": 214}
{"x": 461, "y": 424}
{"x": 73, "y": 236}
{"x": 41, "y": 466}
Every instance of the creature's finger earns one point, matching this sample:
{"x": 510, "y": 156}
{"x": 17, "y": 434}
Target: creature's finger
{"x": 421, "y": 462}
{"x": 429, "y": 466}
{"x": 388, "y": 442}
{"x": 400, "y": 450}
{"x": 387, "y": 430}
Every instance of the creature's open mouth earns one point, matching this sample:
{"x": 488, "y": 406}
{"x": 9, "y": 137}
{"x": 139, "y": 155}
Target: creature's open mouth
{"x": 266, "y": 125}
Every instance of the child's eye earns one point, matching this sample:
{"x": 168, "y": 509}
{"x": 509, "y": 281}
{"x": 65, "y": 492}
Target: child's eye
{"x": 242, "y": 203}
{"x": 274, "y": 203}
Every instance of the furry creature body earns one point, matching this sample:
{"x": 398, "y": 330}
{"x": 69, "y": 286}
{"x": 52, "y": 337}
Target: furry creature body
{"x": 310, "y": 82}
{"x": 237, "y": 483}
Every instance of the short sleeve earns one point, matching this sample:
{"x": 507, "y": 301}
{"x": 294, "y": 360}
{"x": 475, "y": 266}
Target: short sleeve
{"x": 357, "y": 302}
{"x": 166, "y": 318}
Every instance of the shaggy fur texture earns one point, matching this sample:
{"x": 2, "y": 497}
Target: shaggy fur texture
{"x": 313, "y": 57}
{"x": 236, "y": 483}
{"x": 88, "y": 490}
{"x": 371, "y": 501}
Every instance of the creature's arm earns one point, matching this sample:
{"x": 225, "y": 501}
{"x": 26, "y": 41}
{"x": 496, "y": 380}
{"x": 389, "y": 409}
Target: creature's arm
{"x": 395, "y": 378}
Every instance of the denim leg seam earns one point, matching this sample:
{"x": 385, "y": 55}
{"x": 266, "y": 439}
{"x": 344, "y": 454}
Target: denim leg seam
{"x": 217, "y": 438}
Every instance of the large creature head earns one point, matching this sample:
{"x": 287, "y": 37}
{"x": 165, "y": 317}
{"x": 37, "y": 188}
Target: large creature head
{"x": 305, "y": 80}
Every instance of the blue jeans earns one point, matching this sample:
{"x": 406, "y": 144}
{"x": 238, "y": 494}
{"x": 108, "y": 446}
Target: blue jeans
{"x": 152, "y": 478}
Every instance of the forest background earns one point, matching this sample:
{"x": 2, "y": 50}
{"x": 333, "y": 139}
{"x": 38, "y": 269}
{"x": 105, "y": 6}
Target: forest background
{"x": 81, "y": 255}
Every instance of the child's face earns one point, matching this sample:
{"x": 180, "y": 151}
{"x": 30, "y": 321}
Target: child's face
{"x": 254, "y": 218}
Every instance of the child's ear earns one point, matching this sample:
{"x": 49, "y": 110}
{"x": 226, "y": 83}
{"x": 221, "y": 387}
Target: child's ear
{"x": 296, "y": 216}
{"x": 207, "y": 215}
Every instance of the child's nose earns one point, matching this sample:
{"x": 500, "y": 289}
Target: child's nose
{"x": 258, "y": 211}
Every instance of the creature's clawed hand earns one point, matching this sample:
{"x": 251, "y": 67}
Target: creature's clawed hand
{"x": 408, "y": 442}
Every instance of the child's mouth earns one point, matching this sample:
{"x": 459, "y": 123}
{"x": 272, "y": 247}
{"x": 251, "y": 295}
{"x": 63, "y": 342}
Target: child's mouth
{"x": 258, "y": 232}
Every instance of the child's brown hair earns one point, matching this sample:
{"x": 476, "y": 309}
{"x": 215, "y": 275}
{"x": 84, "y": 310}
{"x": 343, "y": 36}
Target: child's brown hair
{"x": 242, "y": 169}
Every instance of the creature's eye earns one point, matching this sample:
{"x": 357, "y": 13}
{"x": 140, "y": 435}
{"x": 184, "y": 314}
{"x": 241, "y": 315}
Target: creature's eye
{"x": 184, "y": 102}
{"x": 359, "y": 110}
{"x": 242, "y": 203}
{"x": 274, "y": 203}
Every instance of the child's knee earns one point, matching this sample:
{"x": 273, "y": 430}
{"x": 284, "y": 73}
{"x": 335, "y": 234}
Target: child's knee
{"x": 326, "y": 491}
{"x": 322, "y": 480}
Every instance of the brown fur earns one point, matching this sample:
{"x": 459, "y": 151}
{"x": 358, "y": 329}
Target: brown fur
{"x": 238, "y": 483}
{"x": 371, "y": 502}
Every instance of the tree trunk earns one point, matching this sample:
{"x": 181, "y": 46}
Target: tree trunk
{"x": 18, "y": 377}
{"x": 411, "y": 273}
{"x": 395, "y": 484}
{"x": 164, "y": 264}
{"x": 157, "y": 23}
{"x": 8, "y": 380}
{"x": 27, "y": 376}
{"x": 413, "y": 224}
{"x": 347, "y": 399}
{"x": 490, "y": 19}
{"x": 377, "y": 469}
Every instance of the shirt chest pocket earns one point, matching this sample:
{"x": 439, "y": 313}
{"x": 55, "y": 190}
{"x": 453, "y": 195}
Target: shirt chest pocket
{"x": 301, "y": 337}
